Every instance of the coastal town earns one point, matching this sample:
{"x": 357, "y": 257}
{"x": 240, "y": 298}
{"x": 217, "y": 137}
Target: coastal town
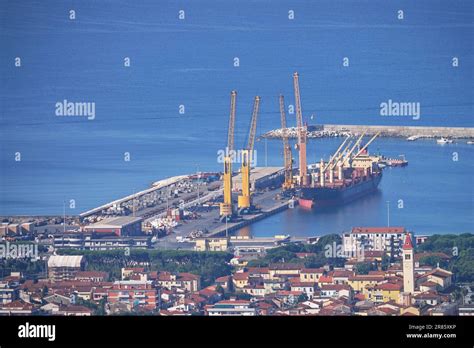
{"x": 384, "y": 271}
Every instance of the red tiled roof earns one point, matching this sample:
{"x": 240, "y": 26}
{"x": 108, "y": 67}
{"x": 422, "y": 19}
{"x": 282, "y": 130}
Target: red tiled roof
{"x": 336, "y": 287}
{"x": 427, "y": 295}
{"x": 366, "y": 277}
{"x": 241, "y": 276}
{"x": 238, "y": 302}
{"x": 389, "y": 286}
{"x": 18, "y": 304}
{"x": 257, "y": 270}
{"x": 438, "y": 272}
{"x": 443, "y": 256}
{"x": 407, "y": 244}
{"x": 313, "y": 270}
{"x": 325, "y": 279}
{"x": 429, "y": 283}
{"x": 342, "y": 274}
{"x": 91, "y": 274}
{"x": 76, "y": 309}
{"x": 287, "y": 293}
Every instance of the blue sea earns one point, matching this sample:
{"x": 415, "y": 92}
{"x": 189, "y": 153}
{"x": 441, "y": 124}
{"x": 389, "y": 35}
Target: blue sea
{"x": 176, "y": 63}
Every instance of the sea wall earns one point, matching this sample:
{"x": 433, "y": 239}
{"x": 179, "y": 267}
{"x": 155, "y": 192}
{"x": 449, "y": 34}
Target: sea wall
{"x": 329, "y": 130}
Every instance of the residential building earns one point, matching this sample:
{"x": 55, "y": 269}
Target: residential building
{"x": 387, "y": 239}
{"x": 186, "y": 281}
{"x": 64, "y": 267}
{"x": 384, "y": 292}
{"x": 133, "y": 294}
{"x": 311, "y": 274}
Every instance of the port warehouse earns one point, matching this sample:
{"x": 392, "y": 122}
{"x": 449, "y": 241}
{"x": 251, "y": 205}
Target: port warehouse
{"x": 120, "y": 226}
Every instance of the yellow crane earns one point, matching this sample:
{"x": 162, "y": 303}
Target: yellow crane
{"x": 244, "y": 201}
{"x": 301, "y": 133}
{"x": 226, "y": 208}
{"x": 288, "y": 183}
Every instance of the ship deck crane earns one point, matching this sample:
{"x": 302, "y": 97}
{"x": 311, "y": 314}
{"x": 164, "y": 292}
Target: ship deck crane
{"x": 336, "y": 156}
{"x": 348, "y": 155}
{"x": 226, "y": 208}
{"x": 367, "y": 144}
{"x": 244, "y": 200}
{"x": 287, "y": 156}
{"x": 301, "y": 133}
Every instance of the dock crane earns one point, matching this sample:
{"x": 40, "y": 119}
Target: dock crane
{"x": 244, "y": 201}
{"x": 288, "y": 183}
{"x": 301, "y": 133}
{"x": 226, "y": 208}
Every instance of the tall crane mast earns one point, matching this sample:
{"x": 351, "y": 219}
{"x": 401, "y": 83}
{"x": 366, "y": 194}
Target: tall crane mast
{"x": 244, "y": 202}
{"x": 226, "y": 207}
{"x": 301, "y": 133}
{"x": 288, "y": 184}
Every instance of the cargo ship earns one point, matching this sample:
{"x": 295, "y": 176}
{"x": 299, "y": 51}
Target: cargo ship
{"x": 343, "y": 179}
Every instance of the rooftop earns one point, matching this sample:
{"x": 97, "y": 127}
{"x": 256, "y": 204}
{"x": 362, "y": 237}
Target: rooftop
{"x": 378, "y": 229}
{"x": 65, "y": 261}
{"x": 115, "y": 222}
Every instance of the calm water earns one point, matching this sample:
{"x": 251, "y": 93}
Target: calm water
{"x": 190, "y": 62}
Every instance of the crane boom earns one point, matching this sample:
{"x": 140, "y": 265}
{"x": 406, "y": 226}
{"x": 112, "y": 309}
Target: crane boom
{"x": 335, "y": 155}
{"x": 244, "y": 201}
{"x": 367, "y": 144}
{"x": 301, "y": 132}
{"x": 253, "y": 124}
{"x": 226, "y": 207}
{"x": 286, "y": 147}
{"x": 346, "y": 158}
{"x": 230, "y": 133}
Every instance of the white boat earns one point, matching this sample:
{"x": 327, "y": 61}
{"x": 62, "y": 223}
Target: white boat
{"x": 470, "y": 142}
{"x": 443, "y": 141}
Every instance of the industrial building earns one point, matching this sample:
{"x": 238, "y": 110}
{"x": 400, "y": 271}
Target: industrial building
{"x": 120, "y": 226}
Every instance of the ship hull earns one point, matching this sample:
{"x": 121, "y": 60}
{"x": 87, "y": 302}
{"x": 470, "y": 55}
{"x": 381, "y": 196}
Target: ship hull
{"x": 321, "y": 197}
